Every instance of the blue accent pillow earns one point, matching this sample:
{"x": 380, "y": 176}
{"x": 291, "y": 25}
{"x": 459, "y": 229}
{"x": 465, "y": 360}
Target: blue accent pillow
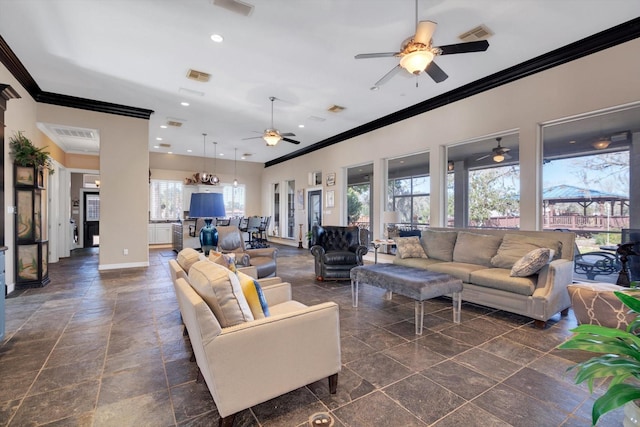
{"x": 262, "y": 299}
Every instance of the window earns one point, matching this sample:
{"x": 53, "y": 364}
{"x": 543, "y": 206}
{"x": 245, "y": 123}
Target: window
{"x": 483, "y": 183}
{"x": 276, "y": 209}
{"x": 165, "y": 200}
{"x": 291, "y": 208}
{"x": 408, "y": 190}
{"x": 234, "y": 199}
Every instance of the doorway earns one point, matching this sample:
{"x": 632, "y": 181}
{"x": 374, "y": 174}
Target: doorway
{"x": 91, "y": 225}
{"x": 314, "y": 202}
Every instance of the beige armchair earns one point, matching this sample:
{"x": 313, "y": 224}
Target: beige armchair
{"x": 263, "y": 259}
{"x": 258, "y": 360}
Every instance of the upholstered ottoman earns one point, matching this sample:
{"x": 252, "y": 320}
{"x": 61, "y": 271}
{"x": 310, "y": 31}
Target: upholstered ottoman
{"x": 414, "y": 283}
{"x": 596, "y": 304}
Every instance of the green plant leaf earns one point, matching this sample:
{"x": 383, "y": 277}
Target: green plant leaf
{"x": 616, "y": 396}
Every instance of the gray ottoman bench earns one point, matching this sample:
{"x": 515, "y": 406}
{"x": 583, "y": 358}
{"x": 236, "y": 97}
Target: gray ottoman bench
{"x": 414, "y": 283}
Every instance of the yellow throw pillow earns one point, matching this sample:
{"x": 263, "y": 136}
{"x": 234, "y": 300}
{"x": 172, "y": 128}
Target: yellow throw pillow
{"x": 253, "y": 294}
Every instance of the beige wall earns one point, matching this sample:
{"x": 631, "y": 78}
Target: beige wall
{"x": 177, "y": 167}
{"x": 599, "y": 81}
{"x": 81, "y": 161}
{"x": 124, "y": 188}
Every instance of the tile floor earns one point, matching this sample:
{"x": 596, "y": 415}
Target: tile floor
{"x": 106, "y": 349}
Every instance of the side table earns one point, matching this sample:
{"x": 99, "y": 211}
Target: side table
{"x": 376, "y": 245}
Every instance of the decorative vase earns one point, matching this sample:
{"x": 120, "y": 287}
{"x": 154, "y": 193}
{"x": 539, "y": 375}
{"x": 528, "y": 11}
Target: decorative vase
{"x": 631, "y": 414}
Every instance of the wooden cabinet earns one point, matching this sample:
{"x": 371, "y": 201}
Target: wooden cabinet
{"x": 32, "y": 246}
{"x": 159, "y": 233}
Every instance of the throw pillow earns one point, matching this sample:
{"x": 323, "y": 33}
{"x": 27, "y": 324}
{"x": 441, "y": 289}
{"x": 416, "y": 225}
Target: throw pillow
{"x": 255, "y": 297}
{"x": 515, "y": 246}
{"x": 439, "y": 244}
{"x": 221, "y": 290}
{"x": 409, "y": 247}
{"x": 473, "y": 248}
{"x": 225, "y": 260}
{"x": 531, "y": 262}
{"x": 187, "y": 257}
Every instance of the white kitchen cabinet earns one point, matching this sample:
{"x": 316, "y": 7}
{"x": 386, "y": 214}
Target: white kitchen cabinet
{"x": 160, "y": 233}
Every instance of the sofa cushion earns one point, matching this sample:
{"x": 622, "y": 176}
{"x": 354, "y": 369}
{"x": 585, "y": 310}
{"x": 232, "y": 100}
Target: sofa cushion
{"x": 255, "y": 297}
{"x": 458, "y": 270}
{"x": 472, "y": 248}
{"x": 221, "y": 290}
{"x": 439, "y": 244}
{"x": 500, "y": 278}
{"x": 531, "y": 262}
{"x": 187, "y": 257}
{"x": 596, "y": 304}
{"x": 410, "y": 247}
{"x": 515, "y": 246}
{"x": 340, "y": 257}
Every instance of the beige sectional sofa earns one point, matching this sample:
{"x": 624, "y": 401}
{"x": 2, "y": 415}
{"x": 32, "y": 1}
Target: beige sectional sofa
{"x": 483, "y": 260}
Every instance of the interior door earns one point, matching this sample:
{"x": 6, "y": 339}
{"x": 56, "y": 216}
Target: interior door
{"x": 315, "y": 208}
{"x": 91, "y": 202}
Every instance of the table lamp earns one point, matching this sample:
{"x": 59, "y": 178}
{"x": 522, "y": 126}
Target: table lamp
{"x": 390, "y": 217}
{"x": 207, "y": 206}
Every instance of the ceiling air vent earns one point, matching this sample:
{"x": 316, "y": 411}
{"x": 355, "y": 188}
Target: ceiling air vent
{"x": 480, "y": 32}
{"x": 235, "y": 6}
{"x": 336, "y": 108}
{"x": 165, "y": 145}
{"x": 74, "y": 133}
{"x": 172, "y": 121}
{"x": 199, "y": 76}
{"x": 316, "y": 119}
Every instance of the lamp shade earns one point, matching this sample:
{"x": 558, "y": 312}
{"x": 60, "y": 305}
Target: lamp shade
{"x": 391, "y": 217}
{"x": 417, "y": 61}
{"x": 206, "y": 205}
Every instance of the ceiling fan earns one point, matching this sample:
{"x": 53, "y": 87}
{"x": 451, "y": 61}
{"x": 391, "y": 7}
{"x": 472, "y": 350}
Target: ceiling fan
{"x": 272, "y": 135}
{"x": 498, "y": 154}
{"x": 417, "y": 53}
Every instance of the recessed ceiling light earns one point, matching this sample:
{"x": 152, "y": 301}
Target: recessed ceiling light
{"x": 572, "y": 142}
{"x": 217, "y": 38}
{"x": 301, "y": 126}
{"x": 184, "y": 104}
{"x": 158, "y": 139}
{"x": 163, "y": 126}
{"x": 169, "y": 152}
{"x": 221, "y": 154}
{"x": 242, "y": 158}
{"x": 156, "y": 146}
{"x": 189, "y": 151}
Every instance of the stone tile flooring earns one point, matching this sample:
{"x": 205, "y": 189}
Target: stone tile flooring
{"x": 106, "y": 349}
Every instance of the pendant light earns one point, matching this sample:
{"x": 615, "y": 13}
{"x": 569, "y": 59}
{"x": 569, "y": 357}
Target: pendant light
{"x": 235, "y": 167}
{"x": 213, "y": 179}
{"x": 204, "y": 176}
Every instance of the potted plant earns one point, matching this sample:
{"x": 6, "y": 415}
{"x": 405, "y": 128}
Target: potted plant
{"x": 24, "y": 153}
{"x": 618, "y": 359}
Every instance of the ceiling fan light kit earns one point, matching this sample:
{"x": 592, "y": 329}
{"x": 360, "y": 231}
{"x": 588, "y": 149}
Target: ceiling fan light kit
{"x": 416, "y": 61}
{"x": 498, "y": 157}
{"x": 601, "y": 144}
{"x": 271, "y": 137}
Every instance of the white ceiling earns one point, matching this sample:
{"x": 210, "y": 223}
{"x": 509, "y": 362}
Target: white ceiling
{"x": 137, "y": 53}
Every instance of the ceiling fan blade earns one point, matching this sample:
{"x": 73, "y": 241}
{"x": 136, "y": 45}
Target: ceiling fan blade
{"x": 376, "y": 55}
{"x": 483, "y": 157}
{"x": 507, "y": 156}
{"x": 287, "y": 134}
{"x": 293, "y": 141}
{"x": 436, "y": 73}
{"x": 505, "y": 149}
{"x": 479, "y": 46}
{"x": 253, "y": 137}
{"x": 424, "y": 32}
{"x": 388, "y": 76}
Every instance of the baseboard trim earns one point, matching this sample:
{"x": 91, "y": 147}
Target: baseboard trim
{"x": 118, "y": 266}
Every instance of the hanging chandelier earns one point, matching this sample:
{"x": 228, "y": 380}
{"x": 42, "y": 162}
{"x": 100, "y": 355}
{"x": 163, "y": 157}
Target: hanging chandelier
{"x": 213, "y": 179}
{"x": 204, "y": 175}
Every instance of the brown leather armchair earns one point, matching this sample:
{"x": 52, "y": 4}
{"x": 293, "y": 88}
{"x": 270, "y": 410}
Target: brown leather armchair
{"x": 336, "y": 250}
{"x": 264, "y": 259}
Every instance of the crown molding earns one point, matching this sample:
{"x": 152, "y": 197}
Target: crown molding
{"x": 17, "y": 69}
{"x": 614, "y": 36}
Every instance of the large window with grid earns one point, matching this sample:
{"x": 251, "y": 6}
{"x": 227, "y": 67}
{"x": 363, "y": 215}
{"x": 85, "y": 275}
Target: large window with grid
{"x": 234, "y": 199}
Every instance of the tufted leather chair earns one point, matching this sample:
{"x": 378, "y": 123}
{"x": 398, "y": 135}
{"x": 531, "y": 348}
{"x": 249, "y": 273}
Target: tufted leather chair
{"x": 336, "y": 250}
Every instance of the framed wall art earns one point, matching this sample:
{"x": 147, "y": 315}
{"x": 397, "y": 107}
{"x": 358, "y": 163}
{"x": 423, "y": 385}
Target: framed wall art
{"x": 331, "y": 199}
{"x": 331, "y": 179}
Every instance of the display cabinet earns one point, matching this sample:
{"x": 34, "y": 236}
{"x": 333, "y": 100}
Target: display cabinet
{"x": 31, "y": 240}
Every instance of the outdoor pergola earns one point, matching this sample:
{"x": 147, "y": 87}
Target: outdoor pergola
{"x": 584, "y": 197}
